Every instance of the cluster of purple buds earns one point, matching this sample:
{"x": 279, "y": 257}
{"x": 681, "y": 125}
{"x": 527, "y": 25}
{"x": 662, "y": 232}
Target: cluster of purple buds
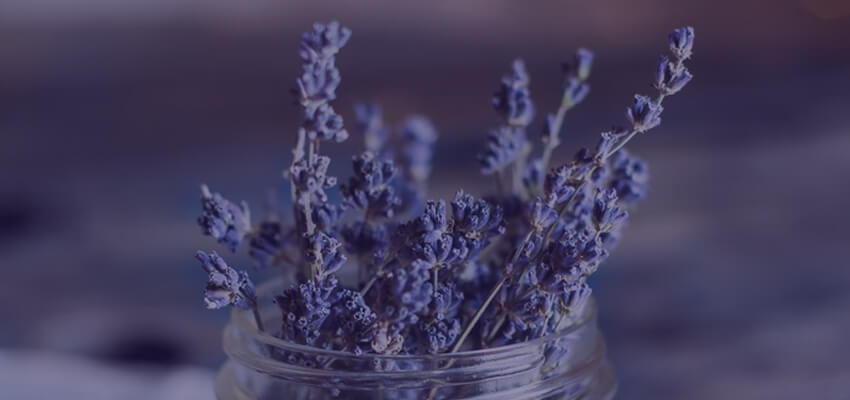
{"x": 370, "y": 122}
{"x": 629, "y": 176}
{"x": 440, "y": 325}
{"x": 305, "y": 307}
{"x": 225, "y": 285}
{"x": 370, "y": 188}
{"x": 418, "y": 137}
{"x": 319, "y": 81}
{"x": 500, "y": 269}
{"x": 226, "y": 222}
{"x": 512, "y": 102}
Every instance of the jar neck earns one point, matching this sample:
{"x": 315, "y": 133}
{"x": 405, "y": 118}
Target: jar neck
{"x": 566, "y": 361}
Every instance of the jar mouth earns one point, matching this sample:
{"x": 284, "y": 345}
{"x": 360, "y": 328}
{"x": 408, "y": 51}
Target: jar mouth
{"x": 243, "y": 321}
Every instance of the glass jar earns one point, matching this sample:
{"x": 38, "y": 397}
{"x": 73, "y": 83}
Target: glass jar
{"x": 569, "y": 364}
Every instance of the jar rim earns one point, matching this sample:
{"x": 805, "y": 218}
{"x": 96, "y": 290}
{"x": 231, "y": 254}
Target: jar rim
{"x": 244, "y": 322}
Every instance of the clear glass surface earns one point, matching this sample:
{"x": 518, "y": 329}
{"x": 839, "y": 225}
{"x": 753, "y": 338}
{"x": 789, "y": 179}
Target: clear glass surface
{"x": 569, "y": 364}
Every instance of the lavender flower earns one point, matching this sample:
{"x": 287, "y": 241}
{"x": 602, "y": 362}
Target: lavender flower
{"x": 576, "y": 254}
{"x": 574, "y": 297}
{"x": 401, "y": 295}
{"x": 629, "y": 177}
{"x": 326, "y": 217}
{"x": 504, "y": 146}
{"x": 226, "y": 286}
{"x": 311, "y": 180}
{"x": 316, "y": 88}
{"x": 542, "y": 215}
{"x": 266, "y": 244}
{"x": 644, "y": 114}
{"x": 365, "y": 239}
{"x": 671, "y": 77}
{"x": 575, "y": 76}
{"x": 418, "y": 138}
{"x": 513, "y": 101}
{"x": 608, "y": 216}
{"x": 227, "y": 222}
{"x": 370, "y": 123}
{"x": 318, "y": 49}
{"x": 508, "y": 143}
{"x": 575, "y": 89}
{"x": 369, "y": 189}
{"x": 305, "y": 307}
{"x": 440, "y": 325}
{"x": 354, "y": 321}
{"x": 476, "y": 222}
{"x": 322, "y": 252}
{"x": 682, "y": 42}
{"x": 324, "y": 124}
{"x": 517, "y": 318}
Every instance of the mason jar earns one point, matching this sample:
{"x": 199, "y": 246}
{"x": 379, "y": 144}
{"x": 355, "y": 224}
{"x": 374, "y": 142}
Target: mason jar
{"x": 568, "y": 364}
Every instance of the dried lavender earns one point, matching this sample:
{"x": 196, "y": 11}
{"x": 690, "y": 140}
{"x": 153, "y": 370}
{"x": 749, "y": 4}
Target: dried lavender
{"x": 370, "y": 188}
{"x": 226, "y": 222}
{"x": 226, "y": 286}
{"x": 507, "y": 145}
{"x": 581, "y": 175}
{"x": 418, "y": 136}
{"x": 501, "y": 269}
{"x": 370, "y": 123}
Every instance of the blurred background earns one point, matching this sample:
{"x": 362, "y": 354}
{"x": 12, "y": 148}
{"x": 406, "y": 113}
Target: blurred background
{"x": 732, "y": 281}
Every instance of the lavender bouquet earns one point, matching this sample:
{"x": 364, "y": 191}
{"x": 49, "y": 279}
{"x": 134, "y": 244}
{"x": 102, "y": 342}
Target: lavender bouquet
{"x": 427, "y": 277}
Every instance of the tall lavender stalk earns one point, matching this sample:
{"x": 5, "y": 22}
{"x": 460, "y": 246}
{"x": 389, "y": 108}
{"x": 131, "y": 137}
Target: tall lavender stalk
{"x": 316, "y": 88}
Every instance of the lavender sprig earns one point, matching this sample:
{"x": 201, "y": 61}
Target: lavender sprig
{"x": 507, "y": 145}
{"x": 228, "y": 287}
{"x": 316, "y": 87}
{"x": 418, "y": 136}
{"x": 643, "y": 117}
{"x": 575, "y": 89}
{"x": 225, "y": 221}
{"x": 370, "y": 188}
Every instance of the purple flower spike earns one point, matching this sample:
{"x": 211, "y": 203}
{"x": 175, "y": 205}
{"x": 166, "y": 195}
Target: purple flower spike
{"x": 513, "y": 101}
{"x": 418, "y": 137}
{"x": 504, "y": 145}
{"x": 629, "y": 177}
{"x": 324, "y": 41}
{"x": 644, "y": 114}
{"x": 671, "y": 77}
{"x": 225, "y": 221}
{"x": 353, "y": 321}
{"x": 325, "y": 124}
{"x": 370, "y": 122}
{"x": 323, "y": 253}
{"x": 608, "y": 216}
{"x": 305, "y": 307}
{"x": 369, "y": 189}
{"x": 542, "y": 215}
{"x": 440, "y": 325}
{"x": 226, "y": 286}
{"x": 682, "y": 42}
{"x": 583, "y": 63}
